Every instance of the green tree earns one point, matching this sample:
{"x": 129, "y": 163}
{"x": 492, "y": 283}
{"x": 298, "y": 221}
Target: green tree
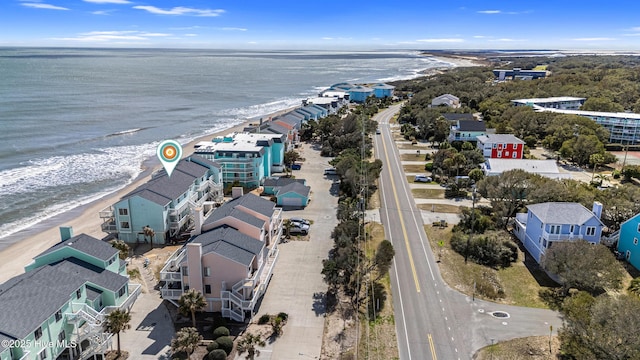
{"x": 601, "y": 104}
{"x": 249, "y": 344}
{"x": 384, "y": 257}
{"x": 191, "y": 302}
{"x": 584, "y": 266}
{"x": 291, "y": 156}
{"x": 507, "y": 193}
{"x": 187, "y": 340}
{"x": 122, "y": 247}
{"x": 116, "y": 322}
{"x": 595, "y": 159}
{"x": 601, "y": 327}
{"x": 476, "y": 175}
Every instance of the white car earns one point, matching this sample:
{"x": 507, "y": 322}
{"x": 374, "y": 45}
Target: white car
{"x": 422, "y": 178}
{"x": 300, "y": 220}
{"x": 297, "y": 228}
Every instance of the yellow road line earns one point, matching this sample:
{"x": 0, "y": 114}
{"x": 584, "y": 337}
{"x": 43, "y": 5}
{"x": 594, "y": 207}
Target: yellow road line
{"x": 404, "y": 230}
{"x": 432, "y": 347}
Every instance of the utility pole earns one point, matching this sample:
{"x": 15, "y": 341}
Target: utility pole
{"x": 473, "y": 220}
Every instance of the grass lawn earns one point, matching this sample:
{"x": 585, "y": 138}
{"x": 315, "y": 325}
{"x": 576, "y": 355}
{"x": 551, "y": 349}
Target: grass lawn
{"x": 378, "y": 336}
{"x": 418, "y": 146}
{"x": 414, "y": 168}
{"x": 520, "y": 285}
{"x": 529, "y": 348}
{"x": 428, "y": 193}
{"x": 441, "y": 208}
{"x": 413, "y": 157}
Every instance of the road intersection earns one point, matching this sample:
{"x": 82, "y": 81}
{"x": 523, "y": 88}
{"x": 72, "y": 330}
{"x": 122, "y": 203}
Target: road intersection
{"x": 434, "y": 321}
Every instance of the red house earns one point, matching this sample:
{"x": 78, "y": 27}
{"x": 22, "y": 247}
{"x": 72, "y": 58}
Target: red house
{"x": 500, "y": 146}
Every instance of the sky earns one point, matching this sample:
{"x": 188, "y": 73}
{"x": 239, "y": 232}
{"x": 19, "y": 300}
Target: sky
{"x": 339, "y": 25}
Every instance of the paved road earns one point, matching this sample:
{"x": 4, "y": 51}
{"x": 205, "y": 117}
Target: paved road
{"x": 432, "y": 320}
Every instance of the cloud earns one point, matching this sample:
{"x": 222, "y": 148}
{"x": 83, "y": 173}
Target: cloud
{"x": 232, "y": 29}
{"x": 451, "y": 40}
{"x": 181, "y": 10}
{"x": 43, "y": 6}
{"x": 190, "y": 35}
{"x": 594, "y": 39}
{"x": 108, "y": 1}
{"x": 479, "y": 37}
{"x": 102, "y": 12}
{"x": 110, "y": 36}
{"x": 506, "y": 40}
{"x": 489, "y": 12}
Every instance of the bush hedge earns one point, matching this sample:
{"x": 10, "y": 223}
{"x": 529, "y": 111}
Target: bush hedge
{"x": 220, "y": 331}
{"x": 225, "y": 343}
{"x": 489, "y": 250}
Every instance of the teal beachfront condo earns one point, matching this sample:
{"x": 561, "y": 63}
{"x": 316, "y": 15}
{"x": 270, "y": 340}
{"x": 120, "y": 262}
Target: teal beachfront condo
{"x": 165, "y": 203}
{"x": 57, "y": 308}
{"x": 245, "y": 158}
{"x": 628, "y": 241}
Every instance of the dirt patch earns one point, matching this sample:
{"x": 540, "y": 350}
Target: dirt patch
{"x": 529, "y": 348}
{"x": 441, "y": 208}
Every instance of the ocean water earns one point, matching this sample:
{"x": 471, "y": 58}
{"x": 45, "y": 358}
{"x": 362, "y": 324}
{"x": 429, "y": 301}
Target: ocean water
{"x": 77, "y": 124}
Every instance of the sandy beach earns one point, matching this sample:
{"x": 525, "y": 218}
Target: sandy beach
{"x": 15, "y": 257}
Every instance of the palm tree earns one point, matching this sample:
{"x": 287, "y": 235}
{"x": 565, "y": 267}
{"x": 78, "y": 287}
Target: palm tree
{"x": 190, "y": 302}
{"x": 634, "y": 287}
{"x": 249, "y": 345}
{"x": 187, "y": 340}
{"x": 150, "y": 233}
{"x": 116, "y": 322}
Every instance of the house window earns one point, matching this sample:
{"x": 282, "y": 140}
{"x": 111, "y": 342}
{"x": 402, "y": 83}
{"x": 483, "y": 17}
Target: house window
{"x": 627, "y": 255}
{"x": 499, "y": 154}
{"x": 207, "y": 271}
{"x": 123, "y": 212}
{"x": 504, "y": 146}
{"x": 571, "y": 229}
{"x": 58, "y": 315}
{"x": 186, "y": 288}
{"x": 38, "y": 333}
{"x": 638, "y": 227}
{"x": 207, "y": 289}
{"x": 506, "y": 154}
{"x": 635, "y": 241}
{"x": 42, "y": 354}
{"x": 514, "y": 146}
{"x": 78, "y": 293}
{"x": 122, "y": 291}
{"x": 124, "y": 225}
{"x": 62, "y": 336}
{"x": 185, "y": 271}
{"x": 495, "y": 146}
{"x": 544, "y": 243}
{"x": 591, "y": 230}
{"x": 555, "y": 229}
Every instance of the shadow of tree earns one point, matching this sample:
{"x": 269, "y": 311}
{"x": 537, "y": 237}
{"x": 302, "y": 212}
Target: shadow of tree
{"x": 377, "y": 301}
{"x": 319, "y": 303}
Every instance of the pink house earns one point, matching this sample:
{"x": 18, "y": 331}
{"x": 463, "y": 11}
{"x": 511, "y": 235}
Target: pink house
{"x": 230, "y": 260}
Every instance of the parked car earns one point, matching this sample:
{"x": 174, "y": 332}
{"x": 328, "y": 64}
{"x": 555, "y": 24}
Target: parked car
{"x": 297, "y": 228}
{"x": 330, "y": 171}
{"x": 422, "y": 178}
{"x": 300, "y": 220}
{"x": 377, "y": 131}
{"x": 296, "y": 166}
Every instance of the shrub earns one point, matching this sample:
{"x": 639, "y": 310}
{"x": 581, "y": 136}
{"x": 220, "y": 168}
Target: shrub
{"x": 264, "y": 319}
{"x": 220, "y": 331}
{"x": 225, "y": 343}
{"x": 488, "y": 250}
{"x": 428, "y": 166}
{"x": 212, "y": 346}
{"x": 283, "y": 315}
{"x": 615, "y": 174}
{"x": 217, "y": 354}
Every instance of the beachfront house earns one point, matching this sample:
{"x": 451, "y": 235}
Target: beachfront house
{"x": 446, "y": 100}
{"x": 57, "y": 308}
{"x": 230, "y": 257}
{"x": 246, "y": 158}
{"x": 467, "y": 130}
{"x": 547, "y": 223}
{"x": 165, "y": 203}
{"x": 628, "y": 241}
{"x": 501, "y": 146}
{"x": 360, "y": 93}
{"x": 382, "y": 90}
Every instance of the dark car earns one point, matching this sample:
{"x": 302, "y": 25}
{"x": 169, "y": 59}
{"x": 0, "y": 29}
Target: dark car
{"x": 296, "y": 166}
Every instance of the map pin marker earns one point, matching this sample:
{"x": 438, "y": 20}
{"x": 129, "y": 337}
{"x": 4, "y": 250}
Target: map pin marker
{"x": 169, "y": 152}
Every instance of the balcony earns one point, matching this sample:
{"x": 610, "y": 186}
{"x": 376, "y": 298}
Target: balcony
{"x": 560, "y": 237}
{"x": 171, "y": 269}
{"x": 106, "y": 213}
{"x": 109, "y": 227}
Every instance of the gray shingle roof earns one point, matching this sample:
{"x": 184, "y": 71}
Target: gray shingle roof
{"x": 202, "y": 161}
{"x": 276, "y": 129}
{"x": 230, "y": 243}
{"x": 561, "y": 213}
{"x": 85, "y": 244}
{"x": 230, "y": 211}
{"x": 290, "y": 120}
{"x": 456, "y": 117}
{"x": 27, "y": 300}
{"x": 250, "y": 201}
{"x": 296, "y": 187}
{"x": 471, "y": 125}
{"x": 281, "y": 181}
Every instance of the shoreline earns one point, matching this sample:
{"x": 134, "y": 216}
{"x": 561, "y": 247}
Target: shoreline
{"x": 84, "y": 218}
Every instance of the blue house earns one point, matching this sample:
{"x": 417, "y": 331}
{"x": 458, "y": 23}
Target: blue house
{"x": 382, "y": 90}
{"x": 293, "y": 195}
{"x": 628, "y": 241}
{"x": 547, "y": 223}
{"x": 164, "y": 203}
{"x": 360, "y": 93}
